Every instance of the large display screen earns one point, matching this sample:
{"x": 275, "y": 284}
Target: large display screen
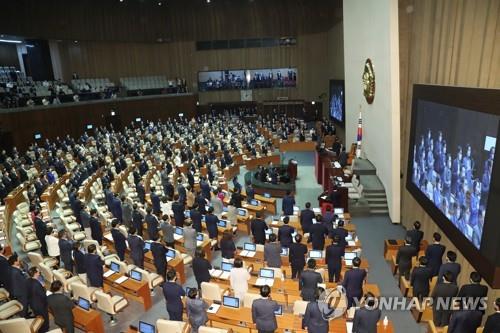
{"x": 247, "y": 79}
{"x": 452, "y": 164}
{"x": 337, "y": 101}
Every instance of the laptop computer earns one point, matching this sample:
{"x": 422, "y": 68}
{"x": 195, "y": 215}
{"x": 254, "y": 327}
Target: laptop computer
{"x": 279, "y": 312}
{"x": 222, "y": 223}
{"x": 147, "y": 246}
{"x": 170, "y": 255}
{"x": 146, "y": 328}
{"x": 254, "y": 202}
{"x": 242, "y": 212}
{"x": 315, "y": 254}
{"x": 114, "y": 267}
{"x": 266, "y": 277}
{"x": 248, "y": 250}
{"x": 348, "y": 258}
{"x": 267, "y": 195}
{"x": 226, "y": 269}
{"x": 178, "y": 233}
{"x": 232, "y": 302}
{"x": 284, "y": 251}
{"x": 338, "y": 211}
{"x": 187, "y": 214}
{"x": 136, "y": 275}
{"x": 84, "y": 303}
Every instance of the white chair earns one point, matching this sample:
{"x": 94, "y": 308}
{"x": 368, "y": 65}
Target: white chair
{"x": 186, "y": 258}
{"x": 28, "y": 246}
{"x": 21, "y": 325}
{"x": 153, "y": 279}
{"x": 171, "y": 326}
{"x": 66, "y": 281}
{"x": 212, "y": 291}
{"x": 80, "y": 289}
{"x": 299, "y": 307}
{"x": 248, "y": 299}
{"x": 9, "y": 309}
{"x": 110, "y": 304}
{"x": 37, "y": 259}
{"x": 206, "y": 329}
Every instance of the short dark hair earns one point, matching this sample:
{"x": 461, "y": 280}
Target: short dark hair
{"x": 91, "y": 248}
{"x": 451, "y": 255}
{"x": 192, "y": 293}
{"x": 370, "y": 299}
{"x": 12, "y": 259}
{"x": 265, "y": 290}
{"x": 475, "y": 277}
{"x": 272, "y": 238}
{"x": 210, "y": 210}
{"x": 171, "y": 274}
{"x": 286, "y": 219}
{"x": 311, "y": 263}
{"x": 114, "y": 223}
{"x": 341, "y": 223}
{"x": 199, "y": 253}
{"x": 93, "y": 211}
{"x": 298, "y": 238}
{"x": 356, "y": 262}
{"x": 417, "y": 225}
{"x": 32, "y": 271}
{"x": 423, "y": 261}
{"x": 132, "y": 230}
{"x": 437, "y": 236}
{"x": 238, "y": 263}
{"x": 55, "y": 286}
{"x": 308, "y": 205}
{"x": 448, "y": 276}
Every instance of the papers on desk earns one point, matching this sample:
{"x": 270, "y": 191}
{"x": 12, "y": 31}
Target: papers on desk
{"x": 198, "y": 243}
{"x": 351, "y": 243}
{"x": 264, "y": 281}
{"x": 350, "y": 312}
{"x": 224, "y": 276}
{"x": 121, "y": 279}
{"x": 317, "y": 210}
{"x": 108, "y": 273}
{"x": 213, "y": 308}
{"x": 169, "y": 258}
{"x": 177, "y": 237}
{"x": 246, "y": 253}
{"x": 337, "y": 165}
{"x": 348, "y": 326}
{"x": 215, "y": 272}
{"x": 108, "y": 237}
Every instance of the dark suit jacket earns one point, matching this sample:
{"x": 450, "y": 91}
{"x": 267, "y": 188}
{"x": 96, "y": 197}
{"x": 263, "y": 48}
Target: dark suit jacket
{"x": 343, "y": 233}
{"x": 227, "y": 249}
{"x": 263, "y": 314}
{"x": 416, "y": 237}
{"x": 211, "y": 222}
{"x": 308, "y": 283}
{"x": 296, "y": 255}
{"x": 141, "y": 193}
{"x": 259, "y": 228}
{"x": 119, "y": 240}
{"x": 313, "y": 319}
{"x": 365, "y": 320}
{"x": 306, "y": 217}
{"x": 201, "y": 267}
{"x": 434, "y": 254}
{"x": 353, "y": 282}
{"x": 62, "y": 309}
{"x": 136, "y": 245}
{"x": 195, "y": 217}
{"x": 95, "y": 229}
{"x": 465, "y": 321}
{"x": 93, "y": 266}
{"x": 79, "y": 259}
{"x": 404, "y": 258}
{"x": 40, "y": 229}
{"x": 287, "y": 205}
{"x": 17, "y": 286}
{"x": 333, "y": 256}
{"x": 155, "y": 202}
{"x": 419, "y": 280}
{"x": 152, "y": 224}
{"x": 178, "y": 209}
{"x": 4, "y": 268}
{"x": 453, "y": 267}
{"x": 285, "y": 235}
{"x": 492, "y": 324}
{"x": 173, "y": 293}
{"x": 317, "y": 234}
{"x": 37, "y": 298}
{"x": 159, "y": 251}
{"x": 272, "y": 255}
{"x": 65, "y": 248}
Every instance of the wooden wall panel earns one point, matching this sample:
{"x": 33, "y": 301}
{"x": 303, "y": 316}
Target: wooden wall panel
{"x": 8, "y": 55}
{"x": 447, "y": 42}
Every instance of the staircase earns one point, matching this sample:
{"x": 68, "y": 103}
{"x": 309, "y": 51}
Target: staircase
{"x": 373, "y": 190}
{"x": 377, "y": 201}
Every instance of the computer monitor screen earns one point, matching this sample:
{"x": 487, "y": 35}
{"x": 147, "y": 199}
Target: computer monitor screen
{"x": 222, "y": 223}
{"x": 171, "y": 253}
{"x": 203, "y": 218}
{"x": 224, "y": 209}
{"x": 279, "y": 311}
{"x": 254, "y": 202}
{"x": 187, "y": 214}
{"x": 115, "y": 267}
{"x": 338, "y": 210}
{"x": 249, "y": 247}
{"x": 266, "y": 273}
{"x": 38, "y": 136}
{"x": 89, "y": 126}
{"x": 242, "y": 212}
{"x": 146, "y": 328}
{"x": 315, "y": 254}
{"x": 179, "y": 231}
{"x": 226, "y": 266}
{"x": 199, "y": 237}
{"x": 337, "y": 101}
{"x": 267, "y": 195}
{"x": 232, "y": 302}
{"x": 284, "y": 251}
{"x": 138, "y": 120}
{"x": 350, "y": 255}
{"x": 83, "y": 303}
{"x": 136, "y": 275}
{"x": 147, "y": 246}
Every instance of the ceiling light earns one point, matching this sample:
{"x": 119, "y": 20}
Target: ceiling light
{"x": 313, "y": 102}
{"x": 10, "y": 41}
{"x": 159, "y": 3}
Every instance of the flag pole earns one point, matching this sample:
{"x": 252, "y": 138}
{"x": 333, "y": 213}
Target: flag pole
{"x": 360, "y": 134}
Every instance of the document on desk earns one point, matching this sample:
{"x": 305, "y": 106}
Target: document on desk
{"x": 213, "y": 308}
{"x": 250, "y": 254}
{"x": 108, "y": 273}
{"x": 317, "y": 210}
{"x": 215, "y": 272}
{"x": 264, "y": 281}
{"x": 224, "y": 276}
{"x": 351, "y": 243}
{"x": 337, "y": 164}
{"x": 109, "y": 237}
{"x": 198, "y": 243}
{"x": 121, "y": 279}
{"x": 348, "y": 326}
{"x": 177, "y": 237}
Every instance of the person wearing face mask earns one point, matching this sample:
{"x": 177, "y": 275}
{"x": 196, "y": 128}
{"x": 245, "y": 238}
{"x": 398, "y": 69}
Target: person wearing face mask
{"x": 37, "y": 298}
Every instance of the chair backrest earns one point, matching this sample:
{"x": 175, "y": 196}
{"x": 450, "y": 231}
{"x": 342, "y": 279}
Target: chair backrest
{"x": 248, "y": 299}
{"x": 104, "y": 302}
{"x": 259, "y": 248}
{"x": 80, "y": 290}
{"x": 205, "y": 329}
{"x": 299, "y": 307}
{"x": 17, "y": 325}
{"x": 35, "y": 258}
{"x": 211, "y": 291}
{"x": 170, "y": 326}
{"x": 46, "y": 272}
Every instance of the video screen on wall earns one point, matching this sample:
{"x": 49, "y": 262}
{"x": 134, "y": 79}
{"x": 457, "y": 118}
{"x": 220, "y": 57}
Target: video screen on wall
{"x": 247, "y": 79}
{"x": 337, "y": 101}
{"x": 453, "y": 156}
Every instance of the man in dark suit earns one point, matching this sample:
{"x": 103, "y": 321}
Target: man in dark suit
{"x": 173, "y": 293}
{"x": 159, "y": 252}
{"x": 263, "y": 311}
{"x": 95, "y": 226}
{"x": 141, "y": 192}
{"x": 309, "y": 280}
{"x": 333, "y": 257}
{"x": 136, "y": 244}
{"x": 404, "y": 258}
{"x": 366, "y": 318}
{"x": 17, "y": 283}
{"x": 420, "y": 278}
{"x": 442, "y": 293}
{"x": 250, "y": 192}
{"x": 61, "y": 307}
{"x": 201, "y": 267}
{"x": 155, "y": 201}
{"x": 492, "y": 324}
{"x": 201, "y": 202}
{"x": 317, "y": 234}
{"x": 465, "y": 319}
{"x": 178, "y": 209}
{"x": 152, "y": 224}
{"x": 4, "y": 267}
{"x": 137, "y": 220}
{"x": 65, "y": 248}
{"x": 37, "y": 298}
{"x": 474, "y": 290}
{"x": 211, "y": 221}
{"x": 288, "y": 202}
{"x": 296, "y": 256}
{"x": 415, "y": 235}
{"x": 119, "y": 239}
{"x": 272, "y": 252}
{"x": 285, "y": 233}
{"x": 450, "y": 266}
{"x": 205, "y": 189}
{"x": 341, "y": 232}
{"x": 79, "y": 260}
{"x": 181, "y": 192}
{"x": 116, "y": 208}
{"x": 93, "y": 267}
{"x": 434, "y": 254}
{"x": 353, "y": 282}
{"x": 195, "y": 216}
{"x": 306, "y": 218}
{"x": 259, "y": 227}
{"x": 41, "y": 231}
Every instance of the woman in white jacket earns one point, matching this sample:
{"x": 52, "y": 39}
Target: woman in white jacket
{"x": 238, "y": 278}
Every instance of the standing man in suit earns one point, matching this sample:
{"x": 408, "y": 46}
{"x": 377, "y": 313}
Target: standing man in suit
{"x": 287, "y": 203}
{"x": 450, "y": 266}
{"x": 250, "y": 192}
{"x": 155, "y": 201}
{"x": 41, "y": 232}
{"x": 17, "y": 283}
{"x": 263, "y": 311}
{"x": 61, "y": 307}
{"x": 173, "y": 293}
{"x": 404, "y": 258}
{"x": 201, "y": 267}
{"x": 306, "y": 218}
{"x": 211, "y": 222}
{"x": 309, "y": 280}
{"x": 79, "y": 260}
{"x": 333, "y": 257}
{"x": 353, "y": 282}
{"x": 341, "y": 232}
{"x": 178, "y": 209}
{"x": 366, "y": 318}
{"x": 195, "y": 216}
{"x": 189, "y": 239}
{"x": 434, "y": 254}
{"x": 93, "y": 267}
{"x": 285, "y": 233}
{"x": 152, "y": 224}
{"x": 126, "y": 211}
{"x": 474, "y": 290}
{"x": 314, "y": 320}
{"x": 420, "y": 278}
{"x": 167, "y": 230}
{"x": 95, "y": 226}
{"x": 137, "y": 220}
{"x": 65, "y": 248}
{"x": 259, "y": 227}
{"x": 465, "y": 319}
{"x": 159, "y": 252}
{"x": 415, "y": 235}
{"x": 118, "y": 239}
{"x": 492, "y": 324}
{"x": 296, "y": 255}
{"x": 141, "y": 192}
{"x": 442, "y": 293}
{"x": 85, "y": 220}
{"x": 317, "y": 234}
{"x": 37, "y": 298}
{"x": 136, "y": 244}
{"x": 272, "y": 252}
{"x": 4, "y": 267}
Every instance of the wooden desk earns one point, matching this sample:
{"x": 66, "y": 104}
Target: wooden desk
{"x": 253, "y": 163}
{"x": 297, "y": 146}
{"x": 268, "y": 203}
{"x": 231, "y": 171}
{"x": 130, "y": 289}
{"x": 88, "y": 321}
{"x": 252, "y": 208}
{"x": 391, "y": 250}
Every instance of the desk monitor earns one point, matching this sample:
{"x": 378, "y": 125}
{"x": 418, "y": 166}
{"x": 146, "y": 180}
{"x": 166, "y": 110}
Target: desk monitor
{"x": 232, "y": 302}
{"x": 187, "y": 214}
{"x": 254, "y": 202}
{"x": 38, "y": 136}
{"x": 284, "y": 251}
{"x": 279, "y": 312}
{"x": 136, "y": 275}
{"x": 147, "y": 246}
{"x": 266, "y": 273}
{"x": 171, "y": 253}
{"x": 115, "y": 267}
{"x": 224, "y": 209}
{"x": 222, "y": 223}
{"x": 89, "y": 126}
{"x": 179, "y": 231}
{"x": 338, "y": 210}
{"x": 242, "y": 212}
{"x": 350, "y": 255}
{"x": 84, "y": 303}
{"x": 315, "y": 254}
{"x": 250, "y": 247}
{"x": 226, "y": 266}
{"x": 199, "y": 237}
{"x": 267, "y": 195}
{"x": 203, "y": 218}
{"x": 146, "y": 328}
{"x": 138, "y": 120}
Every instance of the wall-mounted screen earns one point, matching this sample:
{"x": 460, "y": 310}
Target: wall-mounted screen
{"x": 337, "y": 101}
{"x": 247, "y": 79}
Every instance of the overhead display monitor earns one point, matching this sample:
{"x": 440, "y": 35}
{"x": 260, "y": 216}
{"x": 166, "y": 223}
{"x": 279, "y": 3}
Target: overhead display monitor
{"x": 337, "y": 101}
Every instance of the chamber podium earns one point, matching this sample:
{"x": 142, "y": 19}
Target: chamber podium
{"x": 292, "y": 169}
